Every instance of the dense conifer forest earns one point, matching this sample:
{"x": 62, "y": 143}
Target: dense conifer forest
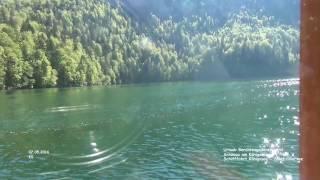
{"x": 60, "y": 43}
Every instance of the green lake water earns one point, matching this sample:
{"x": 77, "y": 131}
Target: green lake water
{"x": 154, "y": 131}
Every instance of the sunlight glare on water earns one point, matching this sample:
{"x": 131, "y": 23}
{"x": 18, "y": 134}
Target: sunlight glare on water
{"x": 168, "y": 130}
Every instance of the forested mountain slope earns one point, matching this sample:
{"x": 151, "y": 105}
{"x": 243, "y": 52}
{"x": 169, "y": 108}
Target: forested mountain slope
{"x": 48, "y": 43}
{"x": 286, "y": 11}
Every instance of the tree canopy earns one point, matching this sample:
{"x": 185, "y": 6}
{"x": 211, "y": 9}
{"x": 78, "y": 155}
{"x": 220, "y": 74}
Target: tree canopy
{"x": 49, "y": 43}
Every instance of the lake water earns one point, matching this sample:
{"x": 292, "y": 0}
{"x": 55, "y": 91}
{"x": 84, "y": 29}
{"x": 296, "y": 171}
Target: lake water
{"x": 154, "y": 131}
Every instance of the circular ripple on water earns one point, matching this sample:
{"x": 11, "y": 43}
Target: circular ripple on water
{"x": 94, "y": 142}
{"x": 97, "y": 148}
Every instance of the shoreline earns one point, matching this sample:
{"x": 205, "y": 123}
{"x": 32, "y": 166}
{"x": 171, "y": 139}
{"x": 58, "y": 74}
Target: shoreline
{"x": 11, "y": 90}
